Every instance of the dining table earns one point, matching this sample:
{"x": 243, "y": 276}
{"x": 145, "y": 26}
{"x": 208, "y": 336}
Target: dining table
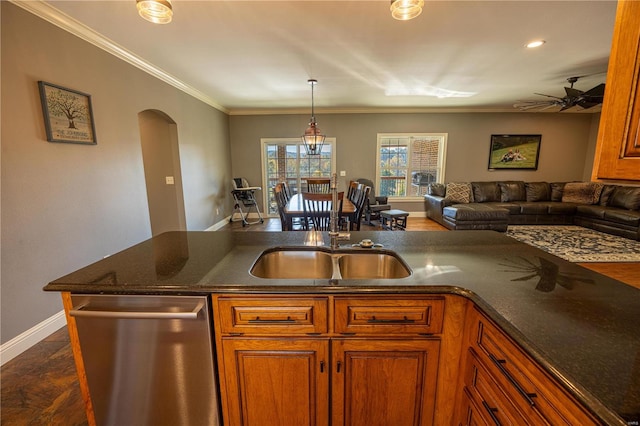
{"x": 295, "y": 209}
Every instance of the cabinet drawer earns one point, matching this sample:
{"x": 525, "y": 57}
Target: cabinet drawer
{"x": 532, "y": 389}
{"x": 495, "y": 406}
{"x": 389, "y": 315}
{"x": 265, "y": 315}
{"x": 469, "y": 412}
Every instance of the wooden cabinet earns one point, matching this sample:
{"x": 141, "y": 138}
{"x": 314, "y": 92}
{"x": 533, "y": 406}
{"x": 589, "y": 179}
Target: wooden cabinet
{"x": 384, "y": 381}
{"x": 617, "y": 154}
{"x": 328, "y": 359}
{"x": 507, "y": 386}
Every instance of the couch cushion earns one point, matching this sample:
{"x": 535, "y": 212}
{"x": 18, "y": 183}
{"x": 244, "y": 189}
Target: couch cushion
{"x": 625, "y": 217}
{"x": 556, "y": 190}
{"x": 458, "y": 192}
{"x": 625, "y": 197}
{"x": 512, "y": 191}
{"x": 591, "y": 211}
{"x": 582, "y": 192}
{"x": 534, "y": 208}
{"x": 436, "y": 189}
{"x": 537, "y": 191}
{"x": 556, "y": 207}
{"x": 606, "y": 194}
{"x": 475, "y": 212}
{"x": 514, "y": 208}
{"x": 485, "y": 192}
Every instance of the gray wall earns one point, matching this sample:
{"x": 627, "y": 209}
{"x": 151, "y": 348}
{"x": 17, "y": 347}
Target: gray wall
{"x": 64, "y": 205}
{"x": 566, "y": 150}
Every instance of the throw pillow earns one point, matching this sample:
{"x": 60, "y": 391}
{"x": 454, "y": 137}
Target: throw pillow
{"x": 556, "y": 190}
{"x": 625, "y": 197}
{"x": 582, "y": 192}
{"x": 537, "y": 191}
{"x": 485, "y": 192}
{"x": 512, "y": 191}
{"x": 458, "y": 192}
{"x": 436, "y": 189}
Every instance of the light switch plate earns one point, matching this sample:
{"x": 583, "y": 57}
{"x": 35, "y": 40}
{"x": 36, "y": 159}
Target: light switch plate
{"x": 169, "y": 180}
{"x": 343, "y": 173}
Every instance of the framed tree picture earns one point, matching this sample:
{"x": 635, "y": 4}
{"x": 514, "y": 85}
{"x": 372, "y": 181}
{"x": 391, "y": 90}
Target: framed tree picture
{"x": 516, "y": 152}
{"x": 68, "y": 116}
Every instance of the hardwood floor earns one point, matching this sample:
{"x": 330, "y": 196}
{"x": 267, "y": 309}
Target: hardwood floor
{"x": 39, "y": 387}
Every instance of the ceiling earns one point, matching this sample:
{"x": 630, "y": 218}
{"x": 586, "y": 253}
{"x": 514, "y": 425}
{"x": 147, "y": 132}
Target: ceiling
{"x": 251, "y": 57}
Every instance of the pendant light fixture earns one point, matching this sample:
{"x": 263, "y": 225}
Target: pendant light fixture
{"x": 403, "y": 10}
{"x": 313, "y": 139}
{"x": 156, "y": 11}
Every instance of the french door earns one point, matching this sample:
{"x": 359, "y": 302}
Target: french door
{"x": 285, "y": 160}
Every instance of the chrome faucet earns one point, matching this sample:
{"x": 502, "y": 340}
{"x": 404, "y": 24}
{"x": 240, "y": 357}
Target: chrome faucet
{"x": 334, "y": 219}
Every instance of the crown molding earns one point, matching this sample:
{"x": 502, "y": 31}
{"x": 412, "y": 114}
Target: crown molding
{"x": 61, "y": 20}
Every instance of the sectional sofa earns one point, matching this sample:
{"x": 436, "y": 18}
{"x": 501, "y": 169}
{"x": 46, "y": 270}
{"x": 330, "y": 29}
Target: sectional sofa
{"x": 614, "y": 209}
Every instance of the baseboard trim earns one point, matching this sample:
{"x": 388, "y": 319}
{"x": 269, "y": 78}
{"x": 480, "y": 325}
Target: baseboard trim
{"x": 218, "y": 225}
{"x": 35, "y": 334}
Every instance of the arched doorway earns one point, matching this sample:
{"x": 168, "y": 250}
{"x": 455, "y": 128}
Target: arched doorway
{"x": 161, "y": 159}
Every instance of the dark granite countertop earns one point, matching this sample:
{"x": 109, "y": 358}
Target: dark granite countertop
{"x": 581, "y": 326}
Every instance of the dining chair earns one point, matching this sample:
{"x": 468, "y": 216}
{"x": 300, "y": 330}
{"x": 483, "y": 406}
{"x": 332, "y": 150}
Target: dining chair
{"x": 360, "y": 202}
{"x": 286, "y": 190}
{"x": 319, "y": 185}
{"x": 281, "y": 201}
{"x": 352, "y": 192}
{"x": 317, "y": 210}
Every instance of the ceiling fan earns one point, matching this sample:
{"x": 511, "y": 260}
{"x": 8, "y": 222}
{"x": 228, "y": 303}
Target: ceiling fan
{"x": 588, "y": 99}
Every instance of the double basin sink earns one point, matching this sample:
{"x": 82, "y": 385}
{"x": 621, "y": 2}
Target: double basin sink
{"x": 323, "y": 263}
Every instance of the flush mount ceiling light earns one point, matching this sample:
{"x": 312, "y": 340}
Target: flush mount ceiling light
{"x": 403, "y": 10}
{"x": 313, "y": 139}
{"x": 535, "y": 43}
{"x": 156, "y": 11}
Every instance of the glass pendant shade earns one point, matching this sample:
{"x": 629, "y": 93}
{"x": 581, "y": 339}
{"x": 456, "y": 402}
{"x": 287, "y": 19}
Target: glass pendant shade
{"x": 313, "y": 139}
{"x": 404, "y": 10}
{"x": 156, "y": 11}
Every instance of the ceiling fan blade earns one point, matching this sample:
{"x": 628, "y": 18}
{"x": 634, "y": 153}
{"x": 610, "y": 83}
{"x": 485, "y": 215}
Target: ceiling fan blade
{"x": 573, "y": 93}
{"x": 597, "y": 91}
{"x": 531, "y": 105}
{"x": 548, "y": 96}
{"x": 587, "y": 104}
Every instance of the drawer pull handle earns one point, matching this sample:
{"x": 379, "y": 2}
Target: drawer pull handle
{"x": 258, "y": 320}
{"x": 492, "y": 412}
{"x": 405, "y": 320}
{"x": 527, "y": 396}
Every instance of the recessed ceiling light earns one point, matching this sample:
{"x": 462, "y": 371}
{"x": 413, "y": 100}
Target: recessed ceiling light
{"x": 535, "y": 43}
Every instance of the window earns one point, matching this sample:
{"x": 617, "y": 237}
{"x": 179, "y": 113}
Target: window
{"x": 285, "y": 160}
{"x": 407, "y": 163}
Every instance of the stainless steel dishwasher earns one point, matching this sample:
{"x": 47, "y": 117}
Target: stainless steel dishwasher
{"x": 149, "y": 359}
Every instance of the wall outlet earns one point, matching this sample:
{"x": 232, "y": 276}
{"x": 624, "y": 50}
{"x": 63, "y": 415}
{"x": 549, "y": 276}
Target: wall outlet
{"x": 169, "y": 180}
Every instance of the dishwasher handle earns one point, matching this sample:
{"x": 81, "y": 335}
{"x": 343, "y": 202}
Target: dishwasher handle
{"x": 80, "y": 311}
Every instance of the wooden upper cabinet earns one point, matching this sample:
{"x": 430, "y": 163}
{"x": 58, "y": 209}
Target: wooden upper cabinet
{"x": 618, "y": 149}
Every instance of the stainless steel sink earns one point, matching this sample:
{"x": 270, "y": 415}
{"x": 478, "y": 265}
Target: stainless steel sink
{"x": 321, "y": 263}
{"x": 292, "y": 264}
{"x": 372, "y": 265}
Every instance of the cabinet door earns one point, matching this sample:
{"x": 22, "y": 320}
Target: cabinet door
{"x": 273, "y": 382}
{"x": 383, "y": 382}
{"x": 618, "y": 149}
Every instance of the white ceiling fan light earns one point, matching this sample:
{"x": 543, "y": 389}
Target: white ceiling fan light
{"x": 156, "y": 11}
{"x": 403, "y": 10}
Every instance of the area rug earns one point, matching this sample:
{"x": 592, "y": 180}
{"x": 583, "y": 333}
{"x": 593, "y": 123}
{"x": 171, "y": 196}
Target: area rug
{"x": 577, "y": 244}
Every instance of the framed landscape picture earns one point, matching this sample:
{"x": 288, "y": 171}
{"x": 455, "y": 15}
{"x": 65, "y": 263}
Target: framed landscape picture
{"x": 68, "y": 116}
{"x": 515, "y": 152}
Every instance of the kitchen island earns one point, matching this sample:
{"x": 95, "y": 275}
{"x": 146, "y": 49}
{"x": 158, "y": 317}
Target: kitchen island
{"x": 581, "y": 327}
